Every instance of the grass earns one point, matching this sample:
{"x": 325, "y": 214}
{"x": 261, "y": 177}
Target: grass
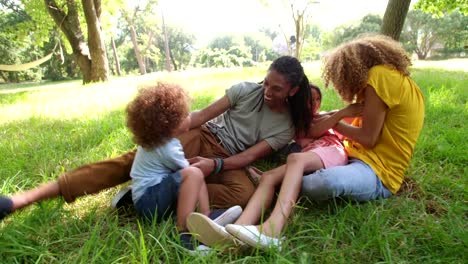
{"x": 49, "y": 128}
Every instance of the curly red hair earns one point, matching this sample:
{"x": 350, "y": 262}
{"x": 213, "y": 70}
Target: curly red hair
{"x": 156, "y": 112}
{"x": 347, "y": 67}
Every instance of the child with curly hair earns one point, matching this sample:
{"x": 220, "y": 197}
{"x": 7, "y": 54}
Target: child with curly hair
{"x": 161, "y": 176}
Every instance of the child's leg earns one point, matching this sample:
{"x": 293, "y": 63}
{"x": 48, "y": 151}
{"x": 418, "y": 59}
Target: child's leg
{"x": 45, "y": 191}
{"x": 203, "y": 200}
{"x": 296, "y": 164}
{"x": 262, "y": 196}
{"x": 189, "y": 193}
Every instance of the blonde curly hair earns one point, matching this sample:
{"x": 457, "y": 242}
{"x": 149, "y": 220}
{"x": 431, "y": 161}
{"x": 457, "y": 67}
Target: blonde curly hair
{"x": 347, "y": 67}
{"x": 156, "y": 112}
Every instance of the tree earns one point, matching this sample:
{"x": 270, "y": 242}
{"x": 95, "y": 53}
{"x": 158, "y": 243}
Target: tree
{"x": 90, "y": 55}
{"x": 15, "y": 49}
{"x": 420, "y": 33}
{"x": 28, "y": 41}
{"x": 423, "y": 33}
{"x": 368, "y": 24}
{"x": 300, "y": 14}
{"x": 439, "y": 7}
{"x": 136, "y": 15}
{"x": 180, "y": 46}
{"x": 167, "y": 52}
{"x": 260, "y": 47}
{"x": 453, "y": 33}
{"x": 225, "y": 51}
{"x": 394, "y": 18}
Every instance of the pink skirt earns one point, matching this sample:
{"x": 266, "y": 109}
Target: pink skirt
{"x": 331, "y": 156}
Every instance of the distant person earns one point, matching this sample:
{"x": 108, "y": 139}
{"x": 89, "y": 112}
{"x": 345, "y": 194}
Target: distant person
{"x": 254, "y": 119}
{"x": 372, "y": 70}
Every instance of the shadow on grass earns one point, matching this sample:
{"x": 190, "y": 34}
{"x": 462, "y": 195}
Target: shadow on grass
{"x": 45, "y": 147}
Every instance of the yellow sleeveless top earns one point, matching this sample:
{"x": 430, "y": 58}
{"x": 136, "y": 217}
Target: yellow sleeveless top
{"x": 403, "y": 122}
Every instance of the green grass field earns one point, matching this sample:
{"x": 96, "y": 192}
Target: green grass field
{"x": 49, "y": 128}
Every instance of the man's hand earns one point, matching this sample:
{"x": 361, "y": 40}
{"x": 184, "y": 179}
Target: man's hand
{"x": 204, "y": 164}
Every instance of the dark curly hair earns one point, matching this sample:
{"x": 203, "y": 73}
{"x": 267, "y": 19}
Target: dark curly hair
{"x": 155, "y": 112}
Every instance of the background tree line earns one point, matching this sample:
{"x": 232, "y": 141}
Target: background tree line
{"x": 95, "y": 38}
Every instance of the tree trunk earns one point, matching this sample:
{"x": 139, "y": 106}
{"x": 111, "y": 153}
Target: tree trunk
{"x": 394, "y": 18}
{"x": 99, "y": 63}
{"x": 299, "y": 34}
{"x": 173, "y": 61}
{"x": 69, "y": 24}
{"x": 139, "y": 58}
{"x": 116, "y": 58}
{"x": 166, "y": 45}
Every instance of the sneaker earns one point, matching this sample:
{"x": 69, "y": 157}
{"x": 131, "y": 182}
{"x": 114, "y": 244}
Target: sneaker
{"x": 223, "y": 217}
{"x": 123, "y": 198}
{"x": 6, "y": 206}
{"x": 188, "y": 243}
{"x": 251, "y": 236}
{"x": 209, "y": 232}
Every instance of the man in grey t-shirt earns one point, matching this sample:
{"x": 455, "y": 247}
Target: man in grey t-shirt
{"x": 247, "y": 122}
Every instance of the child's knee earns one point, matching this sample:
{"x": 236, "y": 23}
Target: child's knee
{"x": 192, "y": 173}
{"x": 295, "y": 157}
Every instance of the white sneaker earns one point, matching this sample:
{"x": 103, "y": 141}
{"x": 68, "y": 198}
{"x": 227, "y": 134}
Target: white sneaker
{"x": 251, "y": 236}
{"x": 229, "y": 216}
{"x": 209, "y": 232}
{"x": 201, "y": 250}
{"x": 123, "y": 198}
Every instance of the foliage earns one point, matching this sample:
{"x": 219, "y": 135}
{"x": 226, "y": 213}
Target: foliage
{"x": 181, "y": 47}
{"x": 425, "y": 34}
{"x": 17, "y": 49}
{"x": 225, "y": 51}
{"x": 420, "y": 33}
{"x": 439, "y": 7}
{"x": 368, "y": 24}
{"x": 454, "y": 34}
{"x": 260, "y": 47}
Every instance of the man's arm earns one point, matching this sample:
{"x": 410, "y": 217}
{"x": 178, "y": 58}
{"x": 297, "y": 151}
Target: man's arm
{"x": 215, "y": 109}
{"x": 240, "y": 160}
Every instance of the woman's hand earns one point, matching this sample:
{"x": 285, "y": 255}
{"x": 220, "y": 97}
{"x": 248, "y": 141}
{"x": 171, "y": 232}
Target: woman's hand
{"x": 204, "y": 164}
{"x": 353, "y": 110}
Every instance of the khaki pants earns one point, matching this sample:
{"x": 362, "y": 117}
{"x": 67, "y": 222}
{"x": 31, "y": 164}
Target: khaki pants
{"x": 232, "y": 187}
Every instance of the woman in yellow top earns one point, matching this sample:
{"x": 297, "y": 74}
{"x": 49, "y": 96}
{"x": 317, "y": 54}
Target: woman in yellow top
{"x": 372, "y": 70}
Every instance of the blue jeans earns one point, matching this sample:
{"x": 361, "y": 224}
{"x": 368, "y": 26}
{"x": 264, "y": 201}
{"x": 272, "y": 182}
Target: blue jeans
{"x": 356, "y": 181}
{"x": 160, "y": 201}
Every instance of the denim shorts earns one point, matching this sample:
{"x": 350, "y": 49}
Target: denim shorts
{"x": 356, "y": 181}
{"x": 160, "y": 201}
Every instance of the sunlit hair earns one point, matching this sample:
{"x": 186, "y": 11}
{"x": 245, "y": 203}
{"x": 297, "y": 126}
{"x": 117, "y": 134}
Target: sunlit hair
{"x": 156, "y": 112}
{"x": 347, "y": 67}
{"x": 299, "y": 104}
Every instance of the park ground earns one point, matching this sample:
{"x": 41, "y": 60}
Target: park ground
{"x": 51, "y": 127}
